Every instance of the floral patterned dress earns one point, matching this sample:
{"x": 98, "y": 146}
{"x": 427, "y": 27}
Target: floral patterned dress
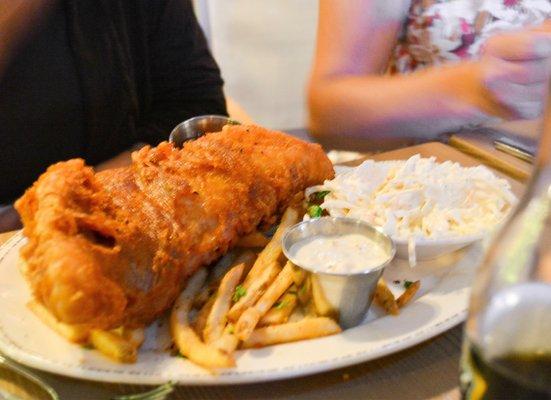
{"x": 440, "y": 31}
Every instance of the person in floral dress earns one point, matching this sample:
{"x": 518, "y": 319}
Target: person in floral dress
{"x": 399, "y": 71}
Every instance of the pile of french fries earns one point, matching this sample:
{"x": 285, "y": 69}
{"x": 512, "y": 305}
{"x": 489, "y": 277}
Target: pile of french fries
{"x": 386, "y": 299}
{"x": 252, "y": 301}
{"x": 247, "y": 300}
{"x": 118, "y": 344}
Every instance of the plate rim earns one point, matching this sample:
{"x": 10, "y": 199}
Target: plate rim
{"x": 25, "y": 357}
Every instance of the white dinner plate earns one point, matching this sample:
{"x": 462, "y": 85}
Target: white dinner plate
{"x": 440, "y": 304}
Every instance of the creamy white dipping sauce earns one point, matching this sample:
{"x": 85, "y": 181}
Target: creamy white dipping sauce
{"x": 339, "y": 254}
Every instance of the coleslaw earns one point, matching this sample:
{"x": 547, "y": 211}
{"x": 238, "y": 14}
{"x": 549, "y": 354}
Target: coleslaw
{"x": 418, "y": 198}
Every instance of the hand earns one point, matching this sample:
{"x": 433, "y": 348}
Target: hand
{"x": 516, "y": 68}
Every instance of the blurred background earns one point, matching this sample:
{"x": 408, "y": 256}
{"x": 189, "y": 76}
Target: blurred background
{"x": 265, "y": 51}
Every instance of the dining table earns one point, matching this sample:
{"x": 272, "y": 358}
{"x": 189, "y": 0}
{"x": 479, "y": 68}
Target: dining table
{"x": 429, "y": 370}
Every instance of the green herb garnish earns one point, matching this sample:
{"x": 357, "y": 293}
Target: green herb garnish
{"x": 280, "y": 304}
{"x": 407, "y": 284}
{"x": 321, "y": 195}
{"x": 316, "y": 198}
{"x": 315, "y": 211}
{"x": 240, "y": 291}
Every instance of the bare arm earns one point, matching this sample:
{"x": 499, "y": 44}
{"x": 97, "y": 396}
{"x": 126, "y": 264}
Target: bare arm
{"x": 350, "y": 100}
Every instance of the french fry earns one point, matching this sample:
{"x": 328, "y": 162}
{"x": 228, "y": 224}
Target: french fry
{"x": 307, "y": 328}
{"x": 299, "y": 275}
{"x": 298, "y": 314}
{"x": 322, "y": 307}
{"x": 193, "y": 286}
{"x": 255, "y": 289}
{"x": 285, "y": 305}
{"x": 197, "y": 351}
{"x": 201, "y": 318}
{"x": 73, "y": 333}
{"x": 408, "y": 294}
{"x": 216, "y": 320}
{"x": 272, "y": 252}
{"x": 114, "y": 346}
{"x": 187, "y": 341}
{"x": 254, "y": 239}
{"x": 202, "y": 297}
{"x": 249, "y": 319}
{"x": 228, "y": 342}
{"x": 304, "y": 293}
{"x": 222, "y": 266}
{"x": 246, "y": 258}
{"x": 384, "y": 298}
{"x": 135, "y": 336}
{"x": 216, "y": 273}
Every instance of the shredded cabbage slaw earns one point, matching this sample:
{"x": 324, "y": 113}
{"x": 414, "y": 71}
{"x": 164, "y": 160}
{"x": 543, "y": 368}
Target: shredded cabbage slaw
{"x": 419, "y": 197}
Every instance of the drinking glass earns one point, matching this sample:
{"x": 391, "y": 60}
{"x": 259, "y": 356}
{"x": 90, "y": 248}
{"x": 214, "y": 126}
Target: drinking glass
{"x": 507, "y": 347}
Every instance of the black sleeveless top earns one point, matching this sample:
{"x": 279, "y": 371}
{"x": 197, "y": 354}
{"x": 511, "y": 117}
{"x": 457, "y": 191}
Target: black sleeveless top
{"x": 96, "y": 76}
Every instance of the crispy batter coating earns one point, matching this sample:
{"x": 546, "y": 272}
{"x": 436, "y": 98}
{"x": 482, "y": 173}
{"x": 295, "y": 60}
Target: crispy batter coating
{"x": 116, "y": 247}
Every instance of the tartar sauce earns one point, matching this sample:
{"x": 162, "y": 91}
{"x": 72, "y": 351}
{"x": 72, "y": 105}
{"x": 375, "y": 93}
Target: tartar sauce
{"x": 340, "y": 254}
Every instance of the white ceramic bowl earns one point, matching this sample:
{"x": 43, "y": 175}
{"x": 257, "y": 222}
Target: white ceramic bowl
{"x": 428, "y": 249}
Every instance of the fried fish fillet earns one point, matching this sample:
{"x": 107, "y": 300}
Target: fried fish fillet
{"x": 115, "y": 248}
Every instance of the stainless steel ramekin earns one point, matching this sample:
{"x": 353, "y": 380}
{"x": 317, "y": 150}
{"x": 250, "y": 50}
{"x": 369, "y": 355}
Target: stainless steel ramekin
{"x": 350, "y": 294}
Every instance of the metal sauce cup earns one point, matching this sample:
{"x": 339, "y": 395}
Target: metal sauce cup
{"x": 350, "y": 294}
{"x": 195, "y": 127}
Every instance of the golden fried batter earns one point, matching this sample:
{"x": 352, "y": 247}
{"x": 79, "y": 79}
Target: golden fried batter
{"x": 116, "y": 247}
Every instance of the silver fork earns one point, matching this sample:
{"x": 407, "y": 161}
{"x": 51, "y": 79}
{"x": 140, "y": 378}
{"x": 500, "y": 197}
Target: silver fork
{"x": 159, "y": 393}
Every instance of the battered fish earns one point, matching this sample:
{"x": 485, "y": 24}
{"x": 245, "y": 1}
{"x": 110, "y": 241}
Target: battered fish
{"x": 115, "y": 248}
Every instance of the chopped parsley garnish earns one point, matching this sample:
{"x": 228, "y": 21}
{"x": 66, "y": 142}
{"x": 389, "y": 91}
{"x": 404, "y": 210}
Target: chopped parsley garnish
{"x": 316, "y": 198}
{"x": 407, "y": 284}
{"x": 240, "y": 291}
{"x": 302, "y": 290}
{"x": 280, "y": 304}
{"x": 315, "y": 211}
{"x": 321, "y": 195}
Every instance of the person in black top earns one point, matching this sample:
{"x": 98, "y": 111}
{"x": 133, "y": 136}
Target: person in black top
{"x": 93, "y": 78}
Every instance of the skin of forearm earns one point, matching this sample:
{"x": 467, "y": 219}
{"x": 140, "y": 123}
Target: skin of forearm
{"x": 390, "y": 111}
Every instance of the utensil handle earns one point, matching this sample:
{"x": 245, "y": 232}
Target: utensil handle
{"x": 514, "y": 151}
